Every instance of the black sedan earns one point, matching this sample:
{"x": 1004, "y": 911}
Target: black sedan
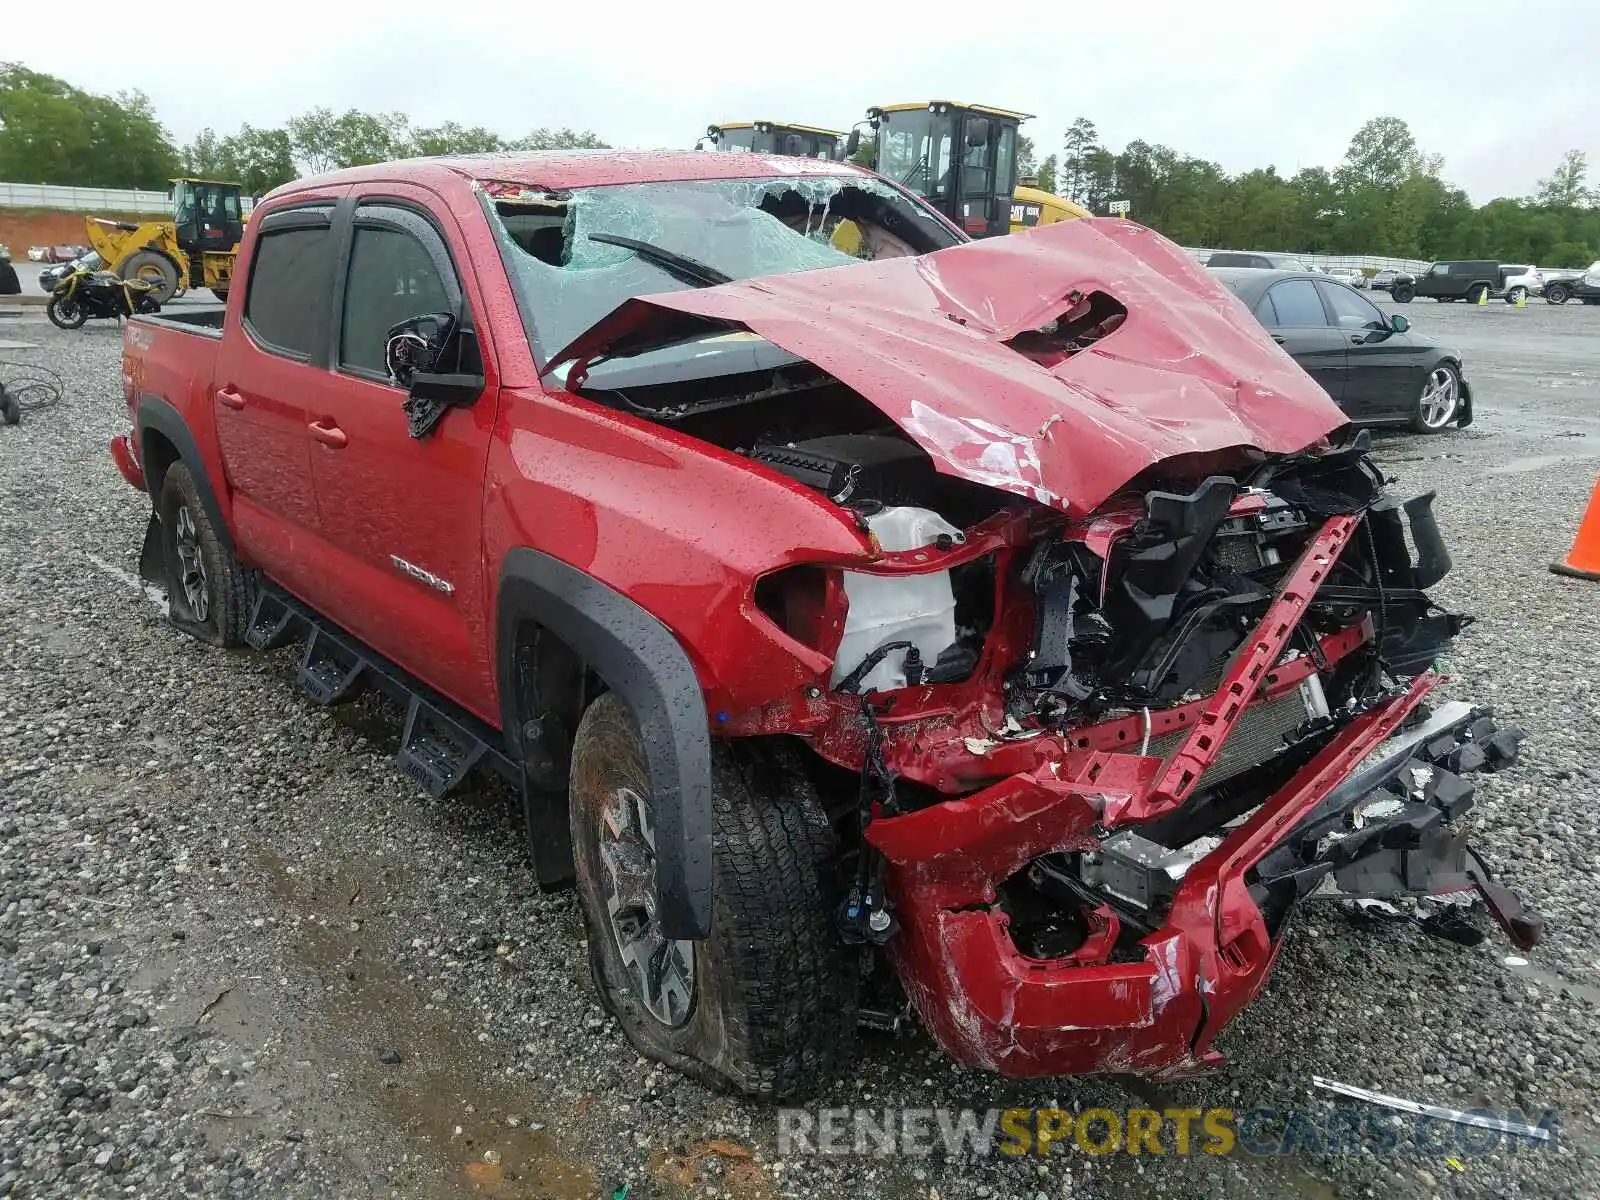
{"x": 1372, "y": 365}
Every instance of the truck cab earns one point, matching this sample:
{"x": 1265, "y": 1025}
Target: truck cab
{"x": 775, "y": 137}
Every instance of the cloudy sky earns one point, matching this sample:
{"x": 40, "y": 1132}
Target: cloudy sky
{"x": 1499, "y": 87}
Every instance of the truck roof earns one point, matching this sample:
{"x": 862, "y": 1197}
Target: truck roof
{"x": 559, "y": 169}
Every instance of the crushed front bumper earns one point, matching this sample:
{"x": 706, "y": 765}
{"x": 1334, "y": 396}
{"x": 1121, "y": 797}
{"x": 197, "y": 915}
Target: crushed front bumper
{"x": 989, "y": 1005}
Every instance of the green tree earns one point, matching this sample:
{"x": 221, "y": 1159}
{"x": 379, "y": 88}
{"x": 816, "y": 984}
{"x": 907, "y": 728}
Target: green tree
{"x": 260, "y": 159}
{"x": 202, "y": 157}
{"x": 1027, "y": 156}
{"x": 325, "y": 141}
{"x": 864, "y": 153}
{"x": 1078, "y": 150}
{"x": 52, "y": 132}
{"x": 561, "y": 139}
{"x": 454, "y": 138}
{"x": 1568, "y": 185}
{"x": 1045, "y": 174}
{"x": 1572, "y": 255}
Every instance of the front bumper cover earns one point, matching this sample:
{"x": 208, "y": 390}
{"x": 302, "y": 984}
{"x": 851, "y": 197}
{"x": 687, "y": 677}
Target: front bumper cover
{"x": 989, "y": 1005}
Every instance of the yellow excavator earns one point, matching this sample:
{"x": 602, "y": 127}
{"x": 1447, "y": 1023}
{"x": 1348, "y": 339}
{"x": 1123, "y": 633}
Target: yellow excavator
{"x": 962, "y": 159}
{"x": 196, "y": 248}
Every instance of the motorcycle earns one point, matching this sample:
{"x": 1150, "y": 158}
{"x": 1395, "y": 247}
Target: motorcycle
{"x": 83, "y": 294}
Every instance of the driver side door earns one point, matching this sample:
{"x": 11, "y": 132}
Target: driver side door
{"x": 401, "y": 517}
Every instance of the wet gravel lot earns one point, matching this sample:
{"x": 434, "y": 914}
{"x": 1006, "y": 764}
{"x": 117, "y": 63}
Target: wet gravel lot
{"x": 240, "y": 955}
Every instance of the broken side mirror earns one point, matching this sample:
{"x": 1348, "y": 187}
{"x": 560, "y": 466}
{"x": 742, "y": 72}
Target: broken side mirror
{"x": 1399, "y": 323}
{"x": 436, "y": 361}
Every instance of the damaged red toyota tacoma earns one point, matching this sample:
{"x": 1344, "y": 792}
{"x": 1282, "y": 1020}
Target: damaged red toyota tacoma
{"x": 863, "y": 617}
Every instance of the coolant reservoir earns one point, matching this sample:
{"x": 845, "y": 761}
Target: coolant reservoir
{"x": 920, "y": 609}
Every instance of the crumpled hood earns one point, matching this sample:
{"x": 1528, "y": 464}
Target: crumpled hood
{"x": 924, "y": 340}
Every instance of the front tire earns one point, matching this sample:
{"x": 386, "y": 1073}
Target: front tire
{"x": 1439, "y": 402}
{"x": 1557, "y": 293}
{"x": 208, "y": 592}
{"x": 766, "y": 1004}
{"x": 157, "y": 270}
{"x": 65, "y": 313}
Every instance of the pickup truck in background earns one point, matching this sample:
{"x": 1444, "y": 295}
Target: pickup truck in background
{"x": 827, "y": 614}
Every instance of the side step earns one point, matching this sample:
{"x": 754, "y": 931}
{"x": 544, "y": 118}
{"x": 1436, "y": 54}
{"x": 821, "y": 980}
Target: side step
{"x": 440, "y": 744}
{"x": 435, "y": 752}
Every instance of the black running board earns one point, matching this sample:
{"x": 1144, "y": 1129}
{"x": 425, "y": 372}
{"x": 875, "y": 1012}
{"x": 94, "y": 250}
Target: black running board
{"x": 440, "y": 743}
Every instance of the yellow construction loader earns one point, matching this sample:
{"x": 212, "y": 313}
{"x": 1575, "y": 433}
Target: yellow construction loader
{"x": 962, "y": 159}
{"x": 196, "y": 248}
{"x": 775, "y": 137}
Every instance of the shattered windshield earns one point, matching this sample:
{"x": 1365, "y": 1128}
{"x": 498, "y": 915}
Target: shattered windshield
{"x": 574, "y": 256}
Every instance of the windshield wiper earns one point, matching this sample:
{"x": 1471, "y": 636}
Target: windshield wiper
{"x": 686, "y": 269}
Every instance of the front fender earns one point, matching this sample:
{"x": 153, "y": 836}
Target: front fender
{"x": 638, "y": 658}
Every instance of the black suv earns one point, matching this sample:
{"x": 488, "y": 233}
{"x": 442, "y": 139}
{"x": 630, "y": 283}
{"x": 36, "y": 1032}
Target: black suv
{"x": 1458, "y": 279}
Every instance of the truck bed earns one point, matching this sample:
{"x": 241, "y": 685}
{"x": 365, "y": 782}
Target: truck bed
{"x": 206, "y": 321}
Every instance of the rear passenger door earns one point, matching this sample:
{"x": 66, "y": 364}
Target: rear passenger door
{"x": 266, "y": 368}
{"x": 1292, "y": 312}
{"x": 401, "y": 517}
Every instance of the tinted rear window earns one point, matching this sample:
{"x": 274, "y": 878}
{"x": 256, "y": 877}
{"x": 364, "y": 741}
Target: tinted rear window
{"x": 286, "y": 307}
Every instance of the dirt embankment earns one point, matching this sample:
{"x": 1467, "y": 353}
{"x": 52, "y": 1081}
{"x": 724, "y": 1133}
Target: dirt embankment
{"x": 24, "y": 227}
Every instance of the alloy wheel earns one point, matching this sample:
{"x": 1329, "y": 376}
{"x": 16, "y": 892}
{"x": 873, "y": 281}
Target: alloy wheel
{"x": 191, "y": 564}
{"x": 1440, "y": 397}
{"x": 662, "y": 969}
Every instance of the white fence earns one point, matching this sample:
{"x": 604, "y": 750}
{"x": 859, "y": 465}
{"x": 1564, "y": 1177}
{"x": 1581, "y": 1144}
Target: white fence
{"x": 90, "y": 200}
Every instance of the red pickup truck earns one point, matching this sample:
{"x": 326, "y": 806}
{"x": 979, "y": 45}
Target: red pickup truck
{"x": 834, "y": 591}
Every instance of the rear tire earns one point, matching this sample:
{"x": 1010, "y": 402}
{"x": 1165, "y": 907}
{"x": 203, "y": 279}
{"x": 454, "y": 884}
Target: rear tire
{"x": 65, "y": 313}
{"x": 1557, "y": 293}
{"x": 208, "y": 592}
{"x": 1439, "y": 401}
{"x": 1477, "y": 293}
{"x": 765, "y": 1005}
{"x": 1516, "y": 294}
{"x": 156, "y": 269}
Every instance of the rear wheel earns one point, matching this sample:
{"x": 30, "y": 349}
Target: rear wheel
{"x": 1439, "y": 401}
{"x": 147, "y": 266}
{"x": 65, "y": 312}
{"x": 1557, "y": 293}
{"x": 766, "y": 1004}
{"x": 1477, "y": 294}
{"x": 208, "y": 593}
{"x": 1517, "y": 295}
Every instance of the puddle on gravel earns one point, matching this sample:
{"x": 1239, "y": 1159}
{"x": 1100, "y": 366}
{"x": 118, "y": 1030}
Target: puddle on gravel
{"x": 447, "y": 1097}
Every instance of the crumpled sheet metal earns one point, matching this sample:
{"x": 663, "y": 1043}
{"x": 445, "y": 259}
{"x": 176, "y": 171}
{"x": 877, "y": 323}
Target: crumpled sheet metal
{"x": 1189, "y": 373}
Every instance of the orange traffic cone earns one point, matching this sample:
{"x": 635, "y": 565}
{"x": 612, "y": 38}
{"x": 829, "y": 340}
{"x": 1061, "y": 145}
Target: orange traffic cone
{"x": 1583, "y": 560}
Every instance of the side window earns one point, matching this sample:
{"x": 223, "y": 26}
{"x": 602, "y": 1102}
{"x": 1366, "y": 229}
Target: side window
{"x": 286, "y": 307}
{"x": 1297, "y": 305}
{"x": 392, "y": 278}
{"x": 1266, "y": 312}
{"x": 1440, "y": 269}
{"x": 1351, "y": 311}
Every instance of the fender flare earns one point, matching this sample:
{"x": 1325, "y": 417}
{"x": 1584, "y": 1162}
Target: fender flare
{"x": 155, "y": 414}
{"x": 641, "y": 660}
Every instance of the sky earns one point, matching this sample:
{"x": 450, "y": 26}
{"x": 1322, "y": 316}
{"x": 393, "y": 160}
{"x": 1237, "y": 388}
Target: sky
{"x": 1500, "y": 88}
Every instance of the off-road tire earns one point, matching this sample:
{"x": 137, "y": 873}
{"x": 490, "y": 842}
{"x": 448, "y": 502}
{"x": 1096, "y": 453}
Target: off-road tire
{"x": 1403, "y": 293}
{"x": 226, "y": 584}
{"x": 1477, "y": 293}
{"x": 773, "y": 1013}
{"x": 1557, "y": 293}
{"x": 57, "y": 313}
{"x": 153, "y": 268}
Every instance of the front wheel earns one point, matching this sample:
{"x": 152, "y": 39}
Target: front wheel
{"x": 208, "y": 592}
{"x": 1557, "y": 293}
{"x": 65, "y": 313}
{"x": 1439, "y": 401}
{"x": 1403, "y": 293}
{"x": 766, "y": 1004}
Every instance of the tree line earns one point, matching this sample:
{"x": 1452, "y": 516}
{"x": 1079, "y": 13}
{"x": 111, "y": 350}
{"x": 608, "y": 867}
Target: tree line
{"x": 1386, "y": 197}
{"x": 53, "y": 132}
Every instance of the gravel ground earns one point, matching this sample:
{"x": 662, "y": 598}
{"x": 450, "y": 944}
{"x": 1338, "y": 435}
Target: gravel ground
{"x": 240, "y": 955}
